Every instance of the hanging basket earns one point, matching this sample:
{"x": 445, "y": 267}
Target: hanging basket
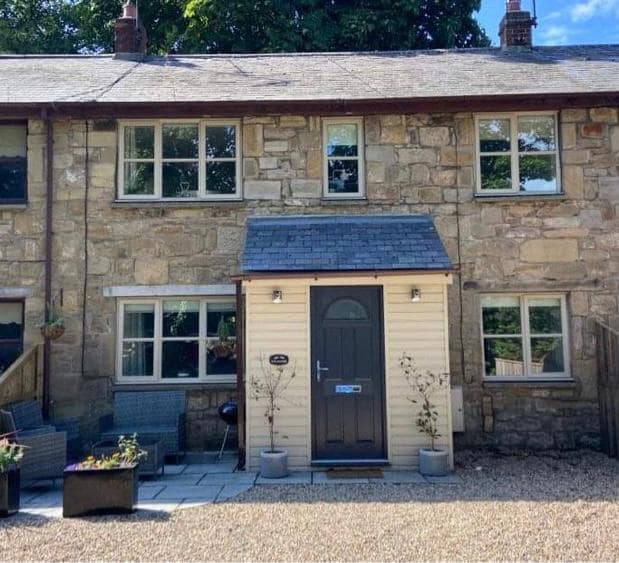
{"x": 223, "y": 351}
{"x": 53, "y": 332}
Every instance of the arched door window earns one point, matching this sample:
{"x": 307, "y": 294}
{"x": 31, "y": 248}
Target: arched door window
{"x": 346, "y": 309}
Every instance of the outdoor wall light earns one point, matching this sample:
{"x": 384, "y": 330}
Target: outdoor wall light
{"x": 276, "y": 296}
{"x": 415, "y": 295}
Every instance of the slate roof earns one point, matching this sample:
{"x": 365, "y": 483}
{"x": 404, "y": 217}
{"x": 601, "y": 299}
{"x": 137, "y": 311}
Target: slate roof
{"x": 310, "y": 76}
{"x": 343, "y": 243}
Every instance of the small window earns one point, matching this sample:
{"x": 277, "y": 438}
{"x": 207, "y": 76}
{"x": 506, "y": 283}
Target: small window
{"x": 524, "y": 336}
{"x": 168, "y": 160}
{"x": 343, "y": 158}
{"x": 11, "y": 332}
{"x": 13, "y": 163}
{"x": 177, "y": 340}
{"x": 518, "y": 154}
{"x": 346, "y": 310}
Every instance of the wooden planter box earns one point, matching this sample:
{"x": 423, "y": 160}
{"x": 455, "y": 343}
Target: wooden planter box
{"x": 90, "y": 492}
{"x": 9, "y": 492}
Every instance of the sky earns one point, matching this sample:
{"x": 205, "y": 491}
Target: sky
{"x": 561, "y": 22}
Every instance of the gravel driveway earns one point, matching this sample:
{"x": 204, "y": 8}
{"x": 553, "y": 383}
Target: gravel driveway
{"x": 509, "y": 507}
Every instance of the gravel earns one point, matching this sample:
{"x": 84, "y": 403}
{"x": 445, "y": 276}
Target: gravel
{"x": 510, "y": 507}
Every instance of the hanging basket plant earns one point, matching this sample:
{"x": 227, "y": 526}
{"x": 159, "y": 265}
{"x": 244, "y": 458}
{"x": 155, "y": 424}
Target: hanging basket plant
{"x": 53, "y": 328}
{"x": 224, "y": 347}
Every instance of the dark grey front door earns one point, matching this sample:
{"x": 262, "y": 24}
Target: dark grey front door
{"x": 347, "y": 373}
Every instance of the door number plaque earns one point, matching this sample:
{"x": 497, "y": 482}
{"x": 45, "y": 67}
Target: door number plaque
{"x": 278, "y": 360}
{"x": 347, "y": 389}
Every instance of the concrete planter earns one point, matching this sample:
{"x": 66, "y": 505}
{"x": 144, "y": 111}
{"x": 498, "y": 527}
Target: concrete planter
{"x": 274, "y": 465}
{"x": 89, "y": 492}
{"x": 9, "y": 492}
{"x": 433, "y": 463}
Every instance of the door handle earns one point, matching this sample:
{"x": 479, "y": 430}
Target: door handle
{"x": 319, "y": 370}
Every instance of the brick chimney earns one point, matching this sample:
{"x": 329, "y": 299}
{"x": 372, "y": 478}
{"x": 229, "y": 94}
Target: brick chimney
{"x": 516, "y": 29}
{"x": 129, "y": 32}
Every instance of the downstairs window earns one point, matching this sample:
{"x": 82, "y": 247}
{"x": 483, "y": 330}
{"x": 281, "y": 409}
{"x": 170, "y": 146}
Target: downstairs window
{"x": 11, "y": 332}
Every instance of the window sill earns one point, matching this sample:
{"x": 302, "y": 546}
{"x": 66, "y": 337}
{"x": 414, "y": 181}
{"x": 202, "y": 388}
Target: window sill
{"x": 485, "y": 198}
{"x": 13, "y": 206}
{"x": 167, "y": 386}
{"x": 529, "y": 383}
{"x": 159, "y": 203}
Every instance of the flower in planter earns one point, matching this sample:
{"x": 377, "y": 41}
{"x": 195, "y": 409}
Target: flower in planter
{"x": 53, "y": 327}
{"x": 128, "y": 455}
{"x": 10, "y": 453}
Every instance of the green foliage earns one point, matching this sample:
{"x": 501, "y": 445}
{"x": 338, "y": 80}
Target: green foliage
{"x": 242, "y": 26}
{"x": 10, "y": 453}
{"x": 424, "y": 386}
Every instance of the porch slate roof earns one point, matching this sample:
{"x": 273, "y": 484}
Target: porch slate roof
{"x": 343, "y": 243}
{"x": 455, "y": 73}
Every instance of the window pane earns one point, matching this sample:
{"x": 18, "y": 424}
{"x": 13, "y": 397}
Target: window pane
{"x": 139, "y": 321}
{"x": 11, "y": 321}
{"x": 9, "y": 352}
{"x": 138, "y": 359}
{"x": 221, "y": 320}
{"x": 503, "y": 357}
{"x": 342, "y": 140}
{"x": 536, "y": 133}
{"x": 538, "y": 173}
{"x": 220, "y": 364}
{"x": 221, "y": 142}
{"x": 496, "y": 173}
{"x": 545, "y": 316}
{"x": 139, "y": 178}
{"x": 180, "y": 179}
{"x": 547, "y": 355}
{"x": 181, "y": 318}
{"x": 343, "y": 176}
{"x": 140, "y": 141}
{"x": 179, "y": 141}
{"x": 180, "y": 358}
{"x": 13, "y": 141}
{"x": 494, "y": 135}
{"x": 13, "y": 176}
{"x": 221, "y": 178}
{"x": 501, "y": 315}
{"x": 346, "y": 310}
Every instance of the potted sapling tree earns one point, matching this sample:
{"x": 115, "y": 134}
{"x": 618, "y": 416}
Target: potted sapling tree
{"x": 433, "y": 461}
{"x": 10, "y": 456}
{"x": 270, "y": 389}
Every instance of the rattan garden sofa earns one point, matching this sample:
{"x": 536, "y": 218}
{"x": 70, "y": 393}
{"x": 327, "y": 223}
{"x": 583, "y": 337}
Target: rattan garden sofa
{"x": 158, "y": 415}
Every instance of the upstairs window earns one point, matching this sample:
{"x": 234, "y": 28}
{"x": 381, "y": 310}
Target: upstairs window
{"x": 13, "y": 163}
{"x": 180, "y": 160}
{"x": 343, "y": 158}
{"x": 517, "y": 154}
{"x": 11, "y": 332}
{"x": 524, "y": 337}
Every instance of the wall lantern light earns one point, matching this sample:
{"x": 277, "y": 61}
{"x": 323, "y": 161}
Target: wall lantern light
{"x": 277, "y": 295}
{"x": 415, "y": 295}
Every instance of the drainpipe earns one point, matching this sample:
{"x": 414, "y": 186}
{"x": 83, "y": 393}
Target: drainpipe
{"x": 49, "y": 215}
{"x": 240, "y": 370}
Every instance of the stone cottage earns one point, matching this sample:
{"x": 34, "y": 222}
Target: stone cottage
{"x": 487, "y": 178}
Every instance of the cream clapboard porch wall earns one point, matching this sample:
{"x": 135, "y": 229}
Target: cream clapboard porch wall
{"x": 284, "y": 328}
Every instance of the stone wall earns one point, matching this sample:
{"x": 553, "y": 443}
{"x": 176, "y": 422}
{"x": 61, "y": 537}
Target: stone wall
{"x": 414, "y": 164}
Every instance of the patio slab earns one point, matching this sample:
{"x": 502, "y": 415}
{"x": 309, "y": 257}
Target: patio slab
{"x": 451, "y": 479}
{"x": 238, "y": 478}
{"x": 294, "y": 478}
{"x": 401, "y": 477}
{"x": 231, "y": 491}
{"x": 207, "y": 493}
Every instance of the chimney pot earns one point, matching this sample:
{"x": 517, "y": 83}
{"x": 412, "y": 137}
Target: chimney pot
{"x": 129, "y": 10}
{"x": 513, "y": 5}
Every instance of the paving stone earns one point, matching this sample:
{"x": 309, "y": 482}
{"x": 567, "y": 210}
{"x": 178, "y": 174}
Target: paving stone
{"x": 221, "y": 467}
{"x": 149, "y": 493}
{"x": 451, "y": 479}
{"x": 45, "y": 500}
{"x": 231, "y": 491}
{"x": 158, "y": 505}
{"x": 395, "y": 477}
{"x": 193, "y": 492}
{"x": 174, "y": 469}
{"x": 182, "y": 479}
{"x": 238, "y": 478}
{"x": 295, "y": 478}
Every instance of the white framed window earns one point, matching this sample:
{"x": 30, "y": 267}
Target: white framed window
{"x": 343, "y": 158}
{"x": 524, "y": 336}
{"x": 180, "y": 159}
{"x": 176, "y": 340}
{"x": 517, "y": 154}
